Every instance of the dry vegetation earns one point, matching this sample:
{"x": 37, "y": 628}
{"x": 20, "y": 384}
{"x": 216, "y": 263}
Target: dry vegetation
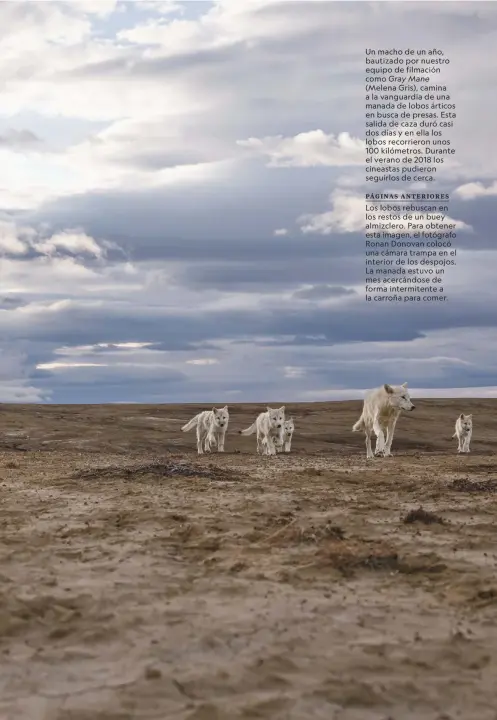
{"x": 139, "y": 581}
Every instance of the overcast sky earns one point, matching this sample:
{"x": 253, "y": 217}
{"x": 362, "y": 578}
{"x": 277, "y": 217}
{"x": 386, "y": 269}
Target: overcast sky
{"x": 181, "y": 203}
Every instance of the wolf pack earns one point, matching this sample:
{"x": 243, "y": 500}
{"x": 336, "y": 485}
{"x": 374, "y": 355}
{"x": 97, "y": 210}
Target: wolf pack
{"x": 274, "y": 432}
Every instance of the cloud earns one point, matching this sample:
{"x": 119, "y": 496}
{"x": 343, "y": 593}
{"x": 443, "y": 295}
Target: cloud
{"x": 15, "y": 382}
{"x": 73, "y": 242}
{"x": 19, "y": 139}
{"x": 348, "y": 214}
{"x": 19, "y": 241}
{"x": 66, "y": 366}
{"x": 10, "y": 243}
{"x": 8, "y": 302}
{"x": 27, "y": 28}
{"x": 293, "y": 372}
{"x": 322, "y": 292}
{"x": 101, "y": 8}
{"x": 102, "y": 348}
{"x": 473, "y": 190}
{"x": 280, "y": 232}
{"x": 151, "y": 152}
{"x": 202, "y": 361}
{"x": 11, "y": 392}
{"x": 309, "y": 149}
{"x": 162, "y": 7}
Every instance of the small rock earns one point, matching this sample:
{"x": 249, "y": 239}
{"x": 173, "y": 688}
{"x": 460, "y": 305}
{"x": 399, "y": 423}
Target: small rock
{"x": 152, "y": 673}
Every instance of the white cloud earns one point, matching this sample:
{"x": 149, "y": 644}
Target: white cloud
{"x": 293, "y": 372}
{"x": 18, "y": 240}
{"x": 56, "y": 277}
{"x": 20, "y": 391}
{"x": 74, "y": 242}
{"x": 309, "y": 149}
{"x": 125, "y": 345}
{"x": 15, "y": 385}
{"x": 66, "y": 366}
{"x": 9, "y": 240}
{"x": 19, "y": 140}
{"x": 28, "y": 182}
{"x": 348, "y": 214}
{"x": 225, "y": 23}
{"x": 280, "y": 231}
{"x": 470, "y": 191}
{"x": 67, "y": 263}
{"x": 100, "y": 8}
{"x": 162, "y": 7}
{"x": 27, "y": 28}
{"x": 139, "y": 154}
{"x": 98, "y": 347}
{"x": 202, "y": 361}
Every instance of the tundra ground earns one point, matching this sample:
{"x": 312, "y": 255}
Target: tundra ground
{"x": 140, "y": 581}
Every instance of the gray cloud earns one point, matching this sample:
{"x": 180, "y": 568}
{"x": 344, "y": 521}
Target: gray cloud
{"x": 19, "y": 139}
{"x": 10, "y": 302}
{"x": 322, "y": 292}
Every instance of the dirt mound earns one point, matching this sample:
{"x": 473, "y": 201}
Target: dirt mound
{"x": 363, "y": 555}
{"x": 157, "y": 468}
{"x": 62, "y": 615}
{"x": 423, "y": 516}
{"x": 473, "y": 486}
{"x": 484, "y": 597}
{"x": 295, "y": 532}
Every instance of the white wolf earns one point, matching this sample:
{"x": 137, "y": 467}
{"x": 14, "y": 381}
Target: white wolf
{"x": 464, "y": 430}
{"x": 266, "y": 425}
{"x": 288, "y": 429}
{"x": 380, "y": 413}
{"x": 211, "y": 427}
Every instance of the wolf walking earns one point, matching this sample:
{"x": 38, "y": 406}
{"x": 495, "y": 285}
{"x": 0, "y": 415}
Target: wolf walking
{"x": 266, "y": 425}
{"x": 211, "y": 428}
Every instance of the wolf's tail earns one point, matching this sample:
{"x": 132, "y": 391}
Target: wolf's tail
{"x": 359, "y": 424}
{"x": 190, "y": 424}
{"x": 249, "y": 431}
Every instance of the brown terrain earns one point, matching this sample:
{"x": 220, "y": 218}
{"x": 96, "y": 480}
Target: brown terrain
{"x": 139, "y": 580}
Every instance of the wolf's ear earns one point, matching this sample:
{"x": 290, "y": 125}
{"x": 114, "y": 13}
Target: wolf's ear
{"x": 388, "y": 388}
{"x": 470, "y": 416}
{"x": 267, "y": 407}
{"x": 282, "y": 408}
{"x": 214, "y": 410}
{"x": 404, "y": 384}
{"x": 461, "y": 416}
{"x": 225, "y": 407}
